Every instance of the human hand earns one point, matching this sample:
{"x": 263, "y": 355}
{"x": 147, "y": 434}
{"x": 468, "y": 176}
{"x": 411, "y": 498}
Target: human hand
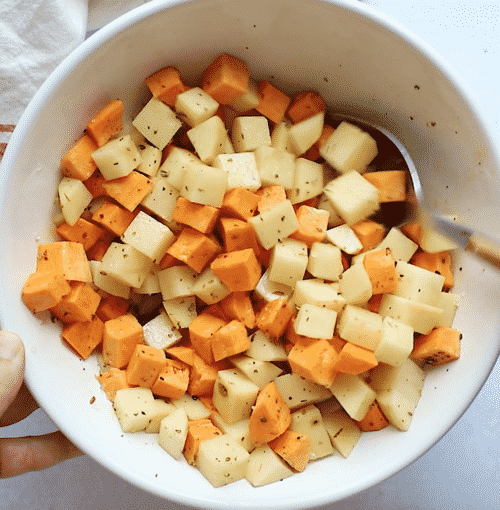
{"x": 22, "y": 454}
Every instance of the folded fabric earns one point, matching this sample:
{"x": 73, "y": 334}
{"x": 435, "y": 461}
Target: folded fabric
{"x": 35, "y": 36}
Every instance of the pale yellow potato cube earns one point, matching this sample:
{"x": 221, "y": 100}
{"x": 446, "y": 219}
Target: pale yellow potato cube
{"x": 134, "y": 408}
{"x": 176, "y": 282}
{"x": 175, "y": 164}
{"x": 304, "y": 134}
{"x": 298, "y": 392}
{"x": 258, "y": 371}
{"x": 74, "y": 197}
{"x": 315, "y": 321}
{"x": 160, "y": 332}
{"x": 195, "y": 106}
{"x": 241, "y": 168}
{"x": 150, "y": 159}
{"x": 264, "y": 348}
{"x": 250, "y": 132}
{"x": 126, "y": 264}
{"x": 248, "y": 100}
{"x": 307, "y": 182}
{"x": 360, "y": 326}
{"x": 222, "y": 460}
{"x": 150, "y": 285}
{"x": 209, "y": 287}
{"x": 203, "y": 184}
{"x": 173, "y": 432}
{"x": 117, "y": 158}
{"x": 239, "y": 431}
{"x": 163, "y": 409}
{"x": 418, "y": 284}
{"x": 181, "y": 310}
{"x": 334, "y": 218}
{"x": 162, "y": 198}
{"x": 319, "y": 293}
{"x": 325, "y": 261}
{"x": 354, "y": 394}
{"x": 149, "y": 236}
{"x": 288, "y": 262}
{"x": 157, "y": 122}
{"x": 275, "y": 166}
{"x": 355, "y": 285}
{"x": 107, "y": 283}
{"x": 280, "y": 137}
{"x": 353, "y": 197}
{"x": 208, "y": 138}
{"x": 193, "y": 406}
{"x": 234, "y": 395}
{"x": 396, "y": 343}
{"x": 345, "y": 238}
{"x": 267, "y": 290}
{"x": 275, "y": 225}
{"x": 448, "y": 302}
{"x": 265, "y": 467}
{"x": 349, "y": 148}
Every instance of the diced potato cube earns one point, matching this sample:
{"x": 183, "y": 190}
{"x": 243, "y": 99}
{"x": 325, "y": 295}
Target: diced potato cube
{"x": 149, "y": 236}
{"x": 175, "y": 164}
{"x": 107, "y": 283}
{"x": 325, "y": 261}
{"x": 248, "y": 100}
{"x": 360, "y": 326}
{"x": 265, "y": 466}
{"x": 344, "y": 237}
{"x": 353, "y": 197}
{"x": 203, "y": 184}
{"x": 160, "y": 332}
{"x": 194, "y": 408}
{"x": 276, "y": 224}
{"x": 259, "y": 372}
{"x": 354, "y": 394}
{"x": 418, "y": 284}
{"x": 275, "y": 166}
{"x": 250, "y": 132}
{"x": 208, "y": 138}
{"x": 126, "y": 264}
{"x": 315, "y": 322}
{"x": 195, "y": 106}
{"x": 74, "y": 198}
{"x": 150, "y": 285}
{"x": 181, "y": 310}
{"x": 349, "y": 148}
{"x": 150, "y": 159}
{"x": 319, "y": 293}
{"x": 304, "y": 134}
{"x": 355, "y": 285}
{"x": 162, "y": 198}
{"x": 173, "y": 432}
{"x": 241, "y": 168}
{"x": 239, "y": 431}
{"x": 288, "y": 262}
{"x": 396, "y": 343}
{"x": 448, "y": 301}
{"x": 222, "y": 460}
{"x": 209, "y": 287}
{"x": 298, "y": 392}
{"x": 264, "y": 348}
{"x": 157, "y": 123}
{"x": 134, "y": 407}
{"x": 234, "y": 395}
{"x": 334, "y": 218}
{"x": 307, "y": 182}
{"x": 266, "y": 290}
{"x": 176, "y": 282}
{"x": 280, "y": 138}
{"x": 117, "y": 158}
{"x": 163, "y": 409}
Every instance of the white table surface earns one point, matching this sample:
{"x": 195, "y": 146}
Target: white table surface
{"x": 462, "y": 471}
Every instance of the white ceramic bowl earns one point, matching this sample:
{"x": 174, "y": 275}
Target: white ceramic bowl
{"x": 362, "y": 63}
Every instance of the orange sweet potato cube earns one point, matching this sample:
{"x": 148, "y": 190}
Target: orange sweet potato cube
{"x": 201, "y": 332}
{"x": 293, "y": 448}
{"x": 239, "y": 270}
{"x": 274, "y": 316}
{"x": 354, "y": 359}
{"x": 112, "y": 307}
{"x": 226, "y": 78}
{"x": 194, "y": 249}
{"x": 172, "y": 381}
{"x": 94, "y": 184}
{"x": 240, "y": 203}
{"x": 369, "y": 232}
{"x": 198, "y": 431}
{"x": 44, "y": 289}
{"x": 184, "y": 353}
{"x": 202, "y": 377}
{"x": 120, "y": 337}
{"x": 78, "y": 163}
{"x": 106, "y": 123}
{"x": 374, "y": 419}
{"x": 229, "y": 340}
{"x": 166, "y": 84}
{"x": 313, "y": 224}
{"x": 83, "y": 232}
{"x": 66, "y": 258}
{"x": 79, "y": 305}
{"x": 84, "y": 337}
{"x": 305, "y": 104}
{"x": 238, "y": 305}
{"x": 113, "y": 380}
{"x": 381, "y": 269}
{"x": 238, "y": 235}
{"x": 270, "y": 416}
{"x": 391, "y": 184}
{"x": 270, "y": 196}
{"x": 314, "y": 360}
{"x": 113, "y": 217}
{"x": 273, "y": 102}
{"x": 145, "y": 365}
{"x": 440, "y": 346}
{"x": 198, "y": 216}
{"x": 438, "y": 262}
{"x": 129, "y": 190}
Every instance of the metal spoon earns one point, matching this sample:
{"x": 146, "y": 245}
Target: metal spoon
{"x": 465, "y": 238}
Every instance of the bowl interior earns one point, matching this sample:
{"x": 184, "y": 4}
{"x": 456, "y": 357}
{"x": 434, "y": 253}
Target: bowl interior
{"x": 362, "y": 63}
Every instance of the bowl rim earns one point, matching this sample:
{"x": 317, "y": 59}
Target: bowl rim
{"x": 122, "y": 23}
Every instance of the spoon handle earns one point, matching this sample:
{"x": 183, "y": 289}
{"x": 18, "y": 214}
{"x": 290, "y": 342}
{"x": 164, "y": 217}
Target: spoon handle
{"x": 484, "y": 248}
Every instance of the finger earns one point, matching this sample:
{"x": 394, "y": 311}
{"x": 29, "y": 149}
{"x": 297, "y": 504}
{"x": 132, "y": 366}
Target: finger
{"x": 21, "y": 407}
{"x": 11, "y": 368}
{"x": 19, "y": 455}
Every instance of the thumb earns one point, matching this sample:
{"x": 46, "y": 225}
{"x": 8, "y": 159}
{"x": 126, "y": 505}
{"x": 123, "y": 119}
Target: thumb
{"x": 11, "y": 368}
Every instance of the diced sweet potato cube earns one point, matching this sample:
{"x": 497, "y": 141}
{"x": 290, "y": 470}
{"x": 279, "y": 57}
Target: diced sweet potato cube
{"x": 239, "y": 270}
{"x": 78, "y": 163}
{"x": 84, "y": 337}
{"x": 44, "y": 289}
{"x": 305, "y": 104}
{"x": 440, "y": 346}
{"x": 79, "y": 305}
{"x": 313, "y": 224}
{"x": 238, "y": 305}
{"x": 270, "y": 196}
{"x": 145, "y": 365}
{"x": 229, "y": 340}
{"x": 198, "y": 431}
{"x": 370, "y": 233}
{"x": 293, "y": 448}
{"x": 112, "y": 307}
{"x": 374, "y": 419}
{"x": 172, "y": 381}
{"x": 166, "y": 84}
{"x": 438, "y": 262}
{"x": 354, "y": 359}
{"x": 274, "y": 316}
{"x": 83, "y": 232}
{"x": 238, "y": 235}
{"x": 198, "y": 216}
{"x": 381, "y": 270}
{"x": 121, "y": 335}
{"x": 391, "y": 184}
{"x": 107, "y": 123}
{"x": 273, "y": 102}
{"x": 129, "y": 191}
{"x": 113, "y": 380}
{"x": 66, "y": 258}
{"x": 240, "y": 203}
{"x": 201, "y": 332}
{"x": 202, "y": 377}
{"x": 113, "y": 217}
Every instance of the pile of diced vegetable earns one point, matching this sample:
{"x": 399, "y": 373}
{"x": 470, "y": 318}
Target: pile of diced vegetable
{"x": 221, "y": 254}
